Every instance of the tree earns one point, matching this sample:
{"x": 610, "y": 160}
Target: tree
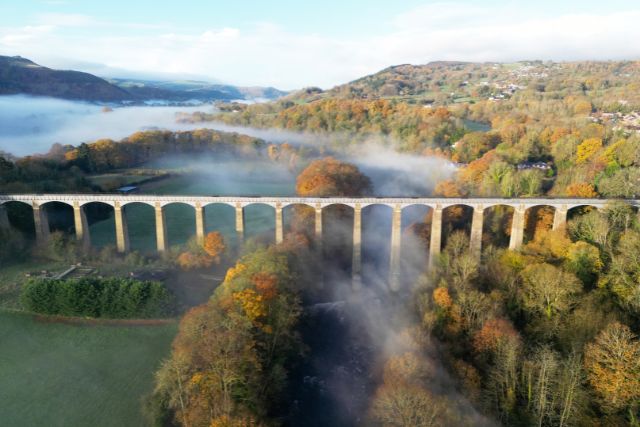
{"x": 612, "y": 363}
{"x": 581, "y": 190}
{"x": 587, "y": 149}
{"x": 214, "y": 245}
{"x": 332, "y": 177}
{"x": 623, "y": 183}
{"x": 624, "y": 272}
{"x": 193, "y": 261}
{"x": 548, "y": 290}
{"x": 403, "y": 400}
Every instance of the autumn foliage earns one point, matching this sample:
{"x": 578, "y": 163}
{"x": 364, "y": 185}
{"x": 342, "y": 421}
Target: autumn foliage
{"x": 332, "y": 177}
{"x": 229, "y": 360}
{"x": 612, "y": 362}
{"x": 205, "y": 256}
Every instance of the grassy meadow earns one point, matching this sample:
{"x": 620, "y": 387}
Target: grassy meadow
{"x": 61, "y": 374}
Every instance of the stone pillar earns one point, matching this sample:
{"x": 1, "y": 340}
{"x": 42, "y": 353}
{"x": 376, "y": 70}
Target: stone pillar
{"x": 161, "y": 229}
{"x": 81, "y": 225}
{"x": 560, "y": 217}
{"x": 4, "y": 218}
{"x": 318, "y": 225}
{"x": 200, "y": 223}
{"x": 41, "y": 221}
{"x": 240, "y": 224}
{"x": 122, "y": 231}
{"x": 475, "y": 245}
{"x": 396, "y": 245}
{"x": 436, "y": 235}
{"x": 356, "y": 260}
{"x": 318, "y": 241}
{"x": 279, "y": 224}
{"x": 517, "y": 228}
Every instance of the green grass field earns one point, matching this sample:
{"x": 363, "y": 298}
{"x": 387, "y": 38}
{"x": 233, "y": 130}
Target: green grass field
{"x": 55, "y": 374}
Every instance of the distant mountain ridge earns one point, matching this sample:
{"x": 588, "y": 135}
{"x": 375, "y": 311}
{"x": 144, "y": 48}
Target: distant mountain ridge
{"x": 22, "y": 76}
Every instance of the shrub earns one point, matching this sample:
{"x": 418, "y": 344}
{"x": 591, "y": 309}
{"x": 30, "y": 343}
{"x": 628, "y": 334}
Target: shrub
{"x": 93, "y": 297}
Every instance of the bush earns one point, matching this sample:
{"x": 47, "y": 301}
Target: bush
{"x": 94, "y": 297}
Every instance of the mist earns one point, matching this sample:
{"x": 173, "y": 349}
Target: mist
{"x": 31, "y": 125}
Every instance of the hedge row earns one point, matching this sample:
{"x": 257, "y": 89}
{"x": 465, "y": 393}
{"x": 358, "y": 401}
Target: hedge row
{"x": 94, "y": 297}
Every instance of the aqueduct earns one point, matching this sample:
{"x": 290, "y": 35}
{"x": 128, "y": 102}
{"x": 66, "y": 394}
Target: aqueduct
{"x": 479, "y": 205}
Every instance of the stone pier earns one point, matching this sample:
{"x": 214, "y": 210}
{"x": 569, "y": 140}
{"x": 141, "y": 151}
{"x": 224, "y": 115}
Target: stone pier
{"x": 279, "y": 224}
{"x": 161, "y": 229}
{"x": 240, "y": 224}
{"x": 475, "y": 244}
{"x": 200, "y": 223}
{"x": 41, "y": 221}
{"x": 396, "y": 246}
{"x": 356, "y": 260}
{"x": 4, "y": 218}
{"x": 517, "y": 227}
{"x": 318, "y": 227}
{"x": 436, "y": 235}
{"x": 81, "y": 225}
{"x": 560, "y": 217}
{"x": 122, "y": 231}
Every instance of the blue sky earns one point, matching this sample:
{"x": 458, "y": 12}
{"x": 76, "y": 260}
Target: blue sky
{"x": 291, "y": 44}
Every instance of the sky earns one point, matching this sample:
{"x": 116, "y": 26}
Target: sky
{"x": 294, "y": 44}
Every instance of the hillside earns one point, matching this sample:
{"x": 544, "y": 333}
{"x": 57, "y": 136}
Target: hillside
{"x": 180, "y": 91}
{"x": 448, "y": 82}
{"x": 21, "y": 76}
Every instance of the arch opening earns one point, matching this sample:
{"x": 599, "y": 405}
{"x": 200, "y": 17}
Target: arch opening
{"x": 179, "y": 222}
{"x": 20, "y": 218}
{"x": 538, "y": 219}
{"x": 456, "y": 218}
{"x": 376, "y": 242}
{"x": 580, "y": 210}
{"x": 337, "y": 240}
{"x": 496, "y": 226}
{"x": 260, "y": 223}
{"x": 102, "y": 226}
{"x": 416, "y": 238}
{"x": 140, "y": 220}
{"x": 59, "y": 217}
{"x": 300, "y": 221}
{"x": 220, "y": 217}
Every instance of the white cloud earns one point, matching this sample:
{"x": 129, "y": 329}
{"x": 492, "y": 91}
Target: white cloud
{"x": 65, "y": 19}
{"x": 266, "y": 54}
{"x": 18, "y": 37}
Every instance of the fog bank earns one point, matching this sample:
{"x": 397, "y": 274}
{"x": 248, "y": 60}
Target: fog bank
{"x": 30, "y": 125}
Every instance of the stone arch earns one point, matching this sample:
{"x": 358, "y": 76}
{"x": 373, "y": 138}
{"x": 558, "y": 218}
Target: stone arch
{"x": 101, "y": 223}
{"x": 376, "y": 240}
{"x": 220, "y": 217}
{"x": 456, "y": 218}
{"x": 299, "y": 217}
{"x": 338, "y": 233}
{"x": 134, "y": 201}
{"x": 496, "y": 225}
{"x": 140, "y": 221}
{"x": 296, "y": 203}
{"x": 18, "y": 215}
{"x": 416, "y": 239}
{"x": 179, "y": 222}
{"x": 59, "y": 216}
{"x": 577, "y": 210}
{"x": 260, "y": 222}
{"x": 539, "y": 218}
